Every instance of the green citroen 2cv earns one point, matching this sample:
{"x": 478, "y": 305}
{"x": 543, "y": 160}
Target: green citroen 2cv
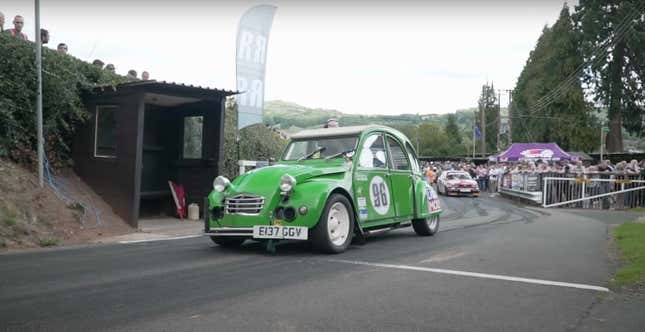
{"x": 330, "y": 185}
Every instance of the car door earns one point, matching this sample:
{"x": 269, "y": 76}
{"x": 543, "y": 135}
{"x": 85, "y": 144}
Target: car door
{"x": 400, "y": 178}
{"x": 372, "y": 188}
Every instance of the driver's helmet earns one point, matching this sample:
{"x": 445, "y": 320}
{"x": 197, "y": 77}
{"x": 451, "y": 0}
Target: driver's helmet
{"x": 379, "y": 157}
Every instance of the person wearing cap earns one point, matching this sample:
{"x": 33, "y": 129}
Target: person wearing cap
{"x": 132, "y": 74}
{"x": 110, "y": 67}
{"x": 331, "y": 123}
{"x": 98, "y": 63}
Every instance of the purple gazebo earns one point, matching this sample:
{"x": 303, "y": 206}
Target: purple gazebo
{"x": 532, "y": 151}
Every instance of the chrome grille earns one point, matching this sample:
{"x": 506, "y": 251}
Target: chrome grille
{"x": 244, "y": 204}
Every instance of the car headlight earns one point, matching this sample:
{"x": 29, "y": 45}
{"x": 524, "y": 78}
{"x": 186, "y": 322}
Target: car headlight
{"x": 220, "y": 183}
{"x": 287, "y": 182}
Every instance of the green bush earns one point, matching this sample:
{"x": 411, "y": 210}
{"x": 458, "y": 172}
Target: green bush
{"x": 65, "y": 79}
{"x": 49, "y": 242}
{"x": 257, "y": 142}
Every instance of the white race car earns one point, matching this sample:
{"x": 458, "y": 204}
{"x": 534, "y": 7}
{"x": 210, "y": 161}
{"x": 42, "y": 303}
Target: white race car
{"x": 456, "y": 183}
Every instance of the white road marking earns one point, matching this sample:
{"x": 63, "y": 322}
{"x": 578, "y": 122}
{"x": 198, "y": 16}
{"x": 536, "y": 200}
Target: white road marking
{"x": 161, "y": 239}
{"x": 476, "y": 275}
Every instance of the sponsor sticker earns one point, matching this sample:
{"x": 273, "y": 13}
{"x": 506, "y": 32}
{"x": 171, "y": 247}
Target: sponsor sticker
{"x": 362, "y": 202}
{"x": 361, "y": 177}
{"x": 433, "y": 201}
{"x": 362, "y": 213}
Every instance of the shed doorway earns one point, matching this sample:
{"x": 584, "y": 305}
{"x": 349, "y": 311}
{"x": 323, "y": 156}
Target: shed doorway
{"x": 158, "y": 162}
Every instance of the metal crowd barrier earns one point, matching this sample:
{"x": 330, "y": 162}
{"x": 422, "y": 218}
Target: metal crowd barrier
{"x": 577, "y": 190}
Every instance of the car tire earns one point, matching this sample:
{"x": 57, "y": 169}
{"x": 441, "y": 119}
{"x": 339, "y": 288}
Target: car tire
{"x": 227, "y": 241}
{"x": 335, "y": 228}
{"x": 426, "y": 226}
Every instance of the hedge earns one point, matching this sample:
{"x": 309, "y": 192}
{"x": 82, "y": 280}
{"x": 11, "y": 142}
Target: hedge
{"x": 65, "y": 78}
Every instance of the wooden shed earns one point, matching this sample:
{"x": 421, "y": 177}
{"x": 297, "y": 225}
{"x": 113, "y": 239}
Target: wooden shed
{"x": 143, "y": 134}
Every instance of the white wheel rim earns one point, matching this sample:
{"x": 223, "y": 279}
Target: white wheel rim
{"x": 432, "y": 222}
{"x": 338, "y": 224}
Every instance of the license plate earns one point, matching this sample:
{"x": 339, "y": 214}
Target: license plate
{"x": 280, "y": 232}
{"x": 464, "y": 190}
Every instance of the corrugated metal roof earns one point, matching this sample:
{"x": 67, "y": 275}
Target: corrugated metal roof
{"x": 167, "y": 84}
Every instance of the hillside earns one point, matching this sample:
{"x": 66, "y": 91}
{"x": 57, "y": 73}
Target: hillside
{"x": 34, "y": 217}
{"x": 292, "y": 117}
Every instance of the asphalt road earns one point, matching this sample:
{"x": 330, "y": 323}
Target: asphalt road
{"x": 397, "y": 281}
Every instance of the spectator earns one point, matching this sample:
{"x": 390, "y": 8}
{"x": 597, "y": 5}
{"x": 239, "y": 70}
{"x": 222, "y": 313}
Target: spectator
{"x": 62, "y": 48}
{"x": 1, "y": 22}
{"x": 145, "y": 75}
{"x": 110, "y": 67}
{"x": 18, "y": 23}
{"x": 44, "y": 36}
{"x": 98, "y": 63}
{"x": 632, "y": 167}
{"x": 132, "y": 74}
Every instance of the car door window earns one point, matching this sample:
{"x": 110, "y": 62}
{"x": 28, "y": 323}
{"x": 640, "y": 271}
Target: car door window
{"x": 413, "y": 159}
{"x": 397, "y": 155}
{"x": 373, "y": 153}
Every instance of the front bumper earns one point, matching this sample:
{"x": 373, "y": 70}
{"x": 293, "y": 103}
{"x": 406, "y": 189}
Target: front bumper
{"x": 229, "y": 231}
{"x": 462, "y": 193}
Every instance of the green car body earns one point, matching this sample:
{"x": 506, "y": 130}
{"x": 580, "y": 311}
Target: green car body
{"x": 387, "y": 191}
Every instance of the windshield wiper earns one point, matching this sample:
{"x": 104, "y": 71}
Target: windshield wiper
{"x": 312, "y": 153}
{"x": 336, "y": 155}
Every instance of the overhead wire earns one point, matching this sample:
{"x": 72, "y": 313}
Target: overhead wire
{"x": 600, "y": 52}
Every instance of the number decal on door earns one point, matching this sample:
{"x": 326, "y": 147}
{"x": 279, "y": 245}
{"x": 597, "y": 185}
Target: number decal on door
{"x": 379, "y": 195}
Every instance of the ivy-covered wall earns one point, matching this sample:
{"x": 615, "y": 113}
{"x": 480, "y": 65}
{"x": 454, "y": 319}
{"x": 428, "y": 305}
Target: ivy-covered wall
{"x": 65, "y": 78}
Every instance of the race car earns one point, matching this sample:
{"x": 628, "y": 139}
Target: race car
{"x": 457, "y": 183}
{"x": 330, "y": 185}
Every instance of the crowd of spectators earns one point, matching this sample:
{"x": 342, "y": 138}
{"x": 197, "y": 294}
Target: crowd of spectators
{"x": 17, "y": 31}
{"x": 488, "y": 175}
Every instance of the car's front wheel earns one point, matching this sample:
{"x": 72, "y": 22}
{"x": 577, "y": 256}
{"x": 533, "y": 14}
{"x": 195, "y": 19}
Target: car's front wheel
{"x": 426, "y": 226}
{"x": 334, "y": 230}
{"x": 227, "y": 241}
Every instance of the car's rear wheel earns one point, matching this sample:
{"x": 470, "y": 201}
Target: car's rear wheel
{"x": 426, "y": 226}
{"x": 227, "y": 241}
{"x": 334, "y": 230}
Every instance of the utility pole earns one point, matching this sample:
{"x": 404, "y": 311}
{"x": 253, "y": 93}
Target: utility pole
{"x": 510, "y": 117}
{"x": 499, "y": 116}
{"x": 474, "y": 126}
{"x": 482, "y": 119}
{"x": 418, "y": 128}
{"x": 39, "y": 97}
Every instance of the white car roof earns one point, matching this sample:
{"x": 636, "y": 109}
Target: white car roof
{"x": 330, "y": 132}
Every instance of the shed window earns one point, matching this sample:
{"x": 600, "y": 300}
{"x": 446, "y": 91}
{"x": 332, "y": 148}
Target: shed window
{"x": 105, "y": 132}
{"x": 193, "y": 127}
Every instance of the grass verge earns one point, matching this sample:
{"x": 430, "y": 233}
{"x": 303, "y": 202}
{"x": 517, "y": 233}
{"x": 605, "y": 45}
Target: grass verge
{"x": 630, "y": 239}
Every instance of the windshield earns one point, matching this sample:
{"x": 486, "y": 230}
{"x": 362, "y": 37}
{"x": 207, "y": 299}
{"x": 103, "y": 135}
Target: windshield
{"x": 318, "y": 148}
{"x": 458, "y": 176}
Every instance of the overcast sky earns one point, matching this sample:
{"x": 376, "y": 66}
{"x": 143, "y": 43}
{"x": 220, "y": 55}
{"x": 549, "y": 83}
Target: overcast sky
{"x": 369, "y": 57}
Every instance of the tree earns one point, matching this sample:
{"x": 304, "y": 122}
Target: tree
{"x": 613, "y": 41}
{"x": 488, "y": 121}
{"x": 537, "y": 112}
{"x": 452, "y": 130}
